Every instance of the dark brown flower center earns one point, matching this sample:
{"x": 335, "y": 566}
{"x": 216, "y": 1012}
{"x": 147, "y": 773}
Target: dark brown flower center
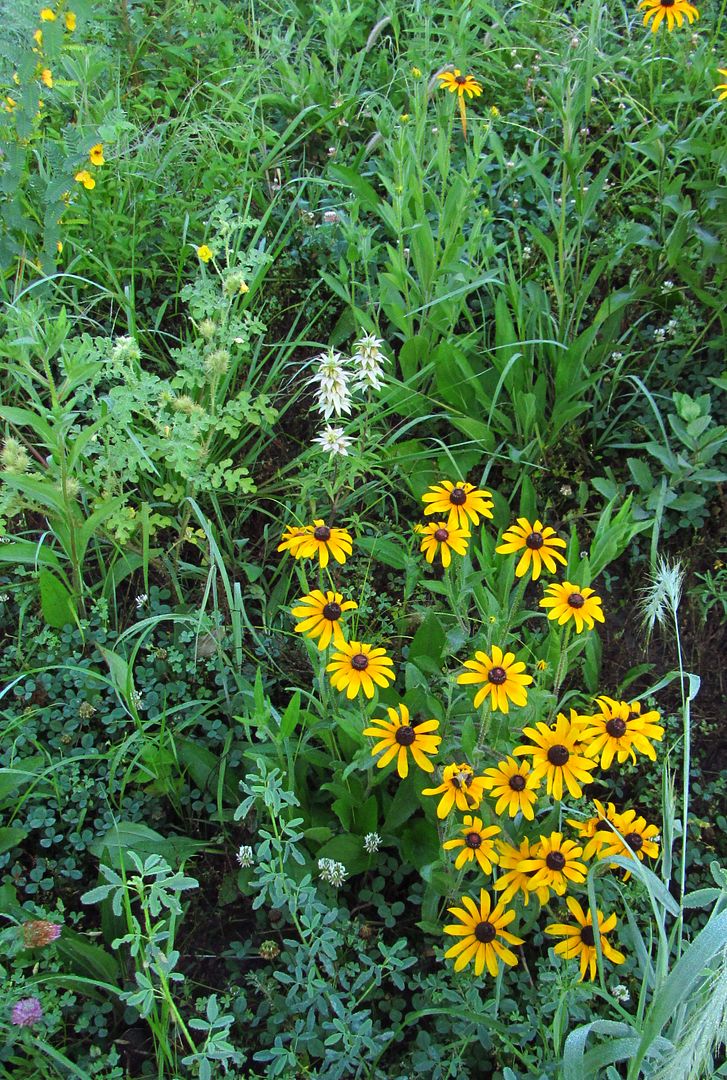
{"x": 558, "y": 754}
{"x": 485, "y": 932}
{"x": 359, "y": 662}
{"x": 517, "y": 782}
{"x": 616, "y": 727}
{"x": 473, "y": 840}
{"x": 462, "y": 779}
{"x": 535, "y": 540}
{"x": 332, "y": 611}
{"x": 587, "y": 935}
{"x": 462, "y": 79}
{"x": 322, "y": 532}
{"x": 667, "y": 3}
{"x": 576, "y": 600}
{"x": 405, "y": 735}
{"x": 441, "y": 535}
{"x": 497, "y": 675}
{"x": 458, "y": 495}
{"x": 603, "y": 826}
{"x": 555, "y": 860}
{"x": 634, "y": 840}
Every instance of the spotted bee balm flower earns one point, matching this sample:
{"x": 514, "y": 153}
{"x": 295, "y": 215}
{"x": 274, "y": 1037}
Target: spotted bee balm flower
{"x": 368, "y": 360}
{"x": 671, "y": 10}
{"x": 504, "y": 679}
{"x": 460, "y": 787}
{"x": 479, "y": 930}
{"x": 620, "y": 729}
{"x": 398, "y": 735}
{"x": 513, "y": 785}
{"x": 320, "y": 614}
{"x": 357, "y": 666}
{"x": 580, "y": 939}
{"x": 334, "y": 441}
{"x": 476, "y": 843}
{"x": 462, "y": 503}
{"x": 558, "y": 755}
{"x": 555, "y": 865}
{"x": 332, "y": 379}
{"x": 317, "y": 541}
{"x": 438, "y": 536}
{"x": 568, "y": 601}
{"x": 538, "y": 545}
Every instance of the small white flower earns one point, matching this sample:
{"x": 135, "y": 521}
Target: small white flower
{"x": 245, "y": 856}
{"x": 125, "y": 349}
{"x": 368, "y": 359}
{"x": 333, "y": 872}
{"x": 621, "y": 993}
{"x": 671, "y": 327}
{"x": 616, "y": 356}
{"x": 140, "y": 600}
{"x": 330, "y": 217}
{"x": 332, "y": 151}
{"x": 372, "y": 842}
{"x": 667, "y": 286}
{"x": 659, "y": 333}
{"x": 4, "y": 597}
{"x": 333, "y": 441}
{"x": 527, "y": 251}
{"x": 333, "y": 394}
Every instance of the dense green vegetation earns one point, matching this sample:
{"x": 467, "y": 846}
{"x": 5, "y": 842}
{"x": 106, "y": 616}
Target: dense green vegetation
{"x": 327, "y": 329}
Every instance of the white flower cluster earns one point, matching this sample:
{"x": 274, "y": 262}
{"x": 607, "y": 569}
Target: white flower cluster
{"x": 621, "y": 993}
{"x": 372, "y": 842}
{"x": 335, "y": 873}
{"x": 337, "y": 378}
{"x": 245, "y": 856}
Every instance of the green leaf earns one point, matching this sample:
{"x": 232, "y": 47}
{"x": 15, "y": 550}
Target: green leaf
{"x": 402, "y": 806}
{"x": 428, "y": 642}
{"x": 384, "y": 551}
{"x": 289, "y": 719}
{"x": 127, "y": 836}
{"x": 84, "y": 958}
{"x": 10, "y": 838}
{"x": 348, "y": 850}
{"x": 55, "y": 600}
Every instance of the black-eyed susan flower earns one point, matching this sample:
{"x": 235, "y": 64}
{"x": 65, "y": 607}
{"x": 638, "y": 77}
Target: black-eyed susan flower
{"x": 558, "y": 755}
{"x": 512, "y": 879}
{"x": 575, "y": 602}
{"x": 357, "y": 666}
{"x": 460, "y": 787}
{"x": 459, "y": 84}
{"x": 479, "y": 930}
{"x": 47, "y": 14}
{"x": 671, "y": 10}
{"x": 321, "y": 617}
{"x": 317, "y": 541}
{"x": 95, "y": 155}
{"x": 555, "y": 864}
{"x": 84, "y": 177}
{"x": 461, "y": 502}
{"x": 503, "y": 678}
{"x": 539, "y": 546}
{"x": 398, "y": 735}
{"x": 597, "y": 830}
{"x": 438, "y": 536}
{"x": 620, "y": 729}
{"x": 635, "y": 838}
{"x": 70, "y": 21}
{"x": 513, "y": 785}
{"x": 476, "y": 842}
{"x": 580, "y": 939}
{"x": 722, "y": 86}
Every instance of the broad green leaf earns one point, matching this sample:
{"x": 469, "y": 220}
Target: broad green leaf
{"x": 55, "y": 600}
{"x": 11, "y": 837}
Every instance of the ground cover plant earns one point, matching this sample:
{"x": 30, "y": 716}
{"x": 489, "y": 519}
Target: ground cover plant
{"x": 362, "y": 561}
